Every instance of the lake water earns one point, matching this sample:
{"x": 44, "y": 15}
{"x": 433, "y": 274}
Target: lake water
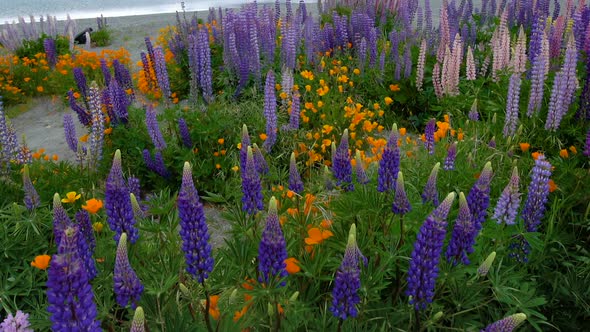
{"x": 78, "y": 9}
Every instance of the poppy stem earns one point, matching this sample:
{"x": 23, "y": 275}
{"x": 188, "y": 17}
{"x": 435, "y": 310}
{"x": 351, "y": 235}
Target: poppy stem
{"x": 339, "y": 329}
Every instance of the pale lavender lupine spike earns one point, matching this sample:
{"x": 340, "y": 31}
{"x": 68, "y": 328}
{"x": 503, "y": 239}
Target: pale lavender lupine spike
{"x": 512, "y": 105}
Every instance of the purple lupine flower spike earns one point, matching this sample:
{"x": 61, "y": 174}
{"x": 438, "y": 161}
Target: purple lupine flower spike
{"x": 342, "y": 168}
{"x": 86, "y": 243}
{"x": 61, "y": 221}
{"x": 70, "y": 133}
{"x": 451, "y": 156}
{"x": 259, "y": 161}
{"x": 32, "y": 199}
{"x": 478, "y": 200}
{"x": 127, "y": 286}
{"x": 17, "y": 323}
{"x": 389, "y": 163}
{"x": 587, "y": 146}
{"x": 118, "y": 204}
{"x": 185, "y": 134}
{"x": 460, "y": 244}
{"x": 251, "y": 187}
{"x": 161, "y": 72}
{"x": 134, "y": 186}
{"x": 193, "y": 228}
{"x": 425, "y": 257}
{"x": 153, "y": 127}
{"x": 507, "y": 324}
{"x": 106, "y": 72}
{"x": 81, "y": 82}
{"x": 244, "y": 148}
{"x": 295, "y": 111}
{"x": 509, "y": 202}
{"x": 138, "y": 324}
{"x": 69, "y": 293}
{"x": 401, "y": 204}
{"x": 361, "y": 174}
{"x": 295, "y": 183}
{"x": 512, "y": 105}
{"x": 270, "y": 111}
{"x": 430, "y": 193}
{"x": 50, "y": 51}
{"x": 429, "y": 134}
{"x": 83, "y": 115}
{"x": 272, "y": 251}
{"x": 538, "y": 193}
{"x": 348, "y": 280}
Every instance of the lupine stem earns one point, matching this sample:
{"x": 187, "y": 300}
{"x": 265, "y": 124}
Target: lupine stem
{"x": 206, "y": 311}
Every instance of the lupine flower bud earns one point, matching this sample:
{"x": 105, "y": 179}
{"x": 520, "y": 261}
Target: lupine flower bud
{"x": 509, "y": 202}
{"x": 347, "y": 283}
{"x": 484, "y": 268}
{"x": 342, "y": 168}
{"x": 118, "y": 202}
{"x": 401, "y": 204}
{"x": 470, "y": 65}
{"x": 328, "y": 181}
{"x": 451, "y": 156}
{"x": 430, "y": 193}
{"x": 244, "y": 149}
{"x": 389, "y": 163}
{"x": 251, "y": 187}
{"x": 423, "y": 269}
{"x": 460, "y": 244}
{"x": 361, "y": 175}
{"x": 429, "y": 134}
{"x": 193, "y": 228}
{"x": 473, "y": 113}
{"x": 137, "y": 210}
{"x": 272, "y": 251}
{"x": 538, "y": 193}
{"x": 507, "y": 324}
{"x": 32, "y": 199}
{"x": 128, "y": 287}
{"x": 138, "y": 324}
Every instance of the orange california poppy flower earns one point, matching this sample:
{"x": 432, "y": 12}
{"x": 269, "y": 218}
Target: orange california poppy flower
{"x": 317, "y": 236}
{"x": 536, "y": 155}
{"x": 552, "y": 186}
{"x": 292, "y": 265}
{"x": 564, "y": 154}
{"x": 93, "y": 205}
{"x": 524, "y": 147}
{"x": 263, "y": 136}
{"x": 213, "y": 309}
{"x": 41, "y": 262}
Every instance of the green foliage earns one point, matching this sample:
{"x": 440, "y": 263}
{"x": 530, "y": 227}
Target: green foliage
{"x": 101, "y": 37}
{"x": 31, "y": 47}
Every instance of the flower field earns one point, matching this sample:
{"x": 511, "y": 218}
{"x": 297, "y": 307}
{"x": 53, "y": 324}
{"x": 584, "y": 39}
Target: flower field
{"x": 350, "y": 167}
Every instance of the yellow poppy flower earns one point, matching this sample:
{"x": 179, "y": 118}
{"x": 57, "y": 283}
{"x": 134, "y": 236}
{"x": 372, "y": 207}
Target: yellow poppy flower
{"x": 71, "y": 197}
